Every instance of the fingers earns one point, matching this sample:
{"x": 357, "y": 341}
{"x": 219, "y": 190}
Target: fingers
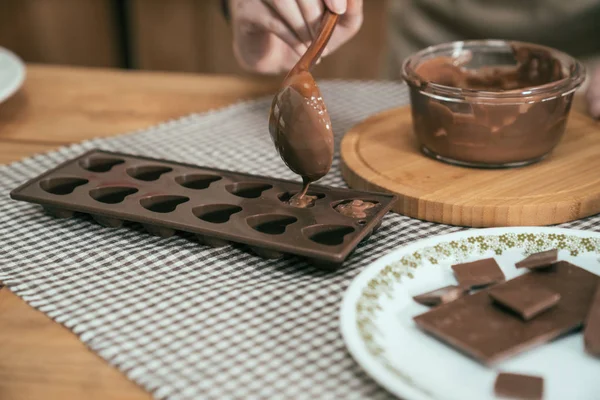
{"x": 312, "y": 11}
{"x": 593, "y": 94}
{"x": 271, "y": 21}
{"x": 353, "y": 17}
{"x": 271, "y": 35}
{"x": 291, "y": 15}
{"x": 337, "y": 6}
{"x": 261, "y": 41}
{"x": 348, "y": 25}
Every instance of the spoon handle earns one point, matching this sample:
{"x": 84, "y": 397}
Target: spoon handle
{"x": 317, "y": 46}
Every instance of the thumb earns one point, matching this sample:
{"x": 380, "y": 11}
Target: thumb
{"x": 337, "y": 6}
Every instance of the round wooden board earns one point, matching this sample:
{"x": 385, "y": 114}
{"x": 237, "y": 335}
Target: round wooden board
{"x": 382, "y": 154}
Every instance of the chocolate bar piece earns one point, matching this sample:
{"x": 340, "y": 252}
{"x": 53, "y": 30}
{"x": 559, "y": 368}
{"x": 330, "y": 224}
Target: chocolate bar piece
{"x": 517, "y": 386}
{"x": 439, "y": 296}
{"x": 527, "y": 301}
{"x": 543, "y": 259}
{"x": 591, "y": 334}
{"x": 478, "y": 274}
{"x": 476, "y": 326}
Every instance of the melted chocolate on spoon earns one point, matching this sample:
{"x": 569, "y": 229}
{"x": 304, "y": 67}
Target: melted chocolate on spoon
{"x": 299, "y": 123}
{"x": 497, "y": 130}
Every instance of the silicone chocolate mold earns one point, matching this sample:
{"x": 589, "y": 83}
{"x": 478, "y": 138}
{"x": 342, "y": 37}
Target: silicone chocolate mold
{"x": 218, "y": 206}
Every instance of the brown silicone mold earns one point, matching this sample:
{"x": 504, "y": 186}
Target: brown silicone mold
{"x": 218, "y": 206}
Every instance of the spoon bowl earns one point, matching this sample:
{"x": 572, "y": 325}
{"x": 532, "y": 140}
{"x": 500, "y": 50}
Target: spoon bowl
{"x": 299, "y": 123}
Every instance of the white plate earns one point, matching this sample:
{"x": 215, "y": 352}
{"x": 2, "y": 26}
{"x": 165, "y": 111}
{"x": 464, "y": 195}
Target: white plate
{"x": 377, "y": 311}
{"x": 12, "y": 73}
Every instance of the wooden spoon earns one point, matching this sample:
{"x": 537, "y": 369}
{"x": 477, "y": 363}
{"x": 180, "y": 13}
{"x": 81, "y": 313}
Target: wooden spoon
{"x": 299, "y": 123}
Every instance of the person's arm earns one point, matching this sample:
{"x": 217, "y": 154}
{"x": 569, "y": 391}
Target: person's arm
{"x": 270, "y": 35}
{"x": 593, "y": 94}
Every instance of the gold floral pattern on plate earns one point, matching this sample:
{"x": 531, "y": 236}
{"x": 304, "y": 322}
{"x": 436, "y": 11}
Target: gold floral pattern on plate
{"x": 455, "y": 251}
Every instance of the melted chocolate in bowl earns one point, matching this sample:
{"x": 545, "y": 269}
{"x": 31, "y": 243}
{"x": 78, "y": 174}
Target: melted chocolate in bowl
{"x": 491, "y": 104}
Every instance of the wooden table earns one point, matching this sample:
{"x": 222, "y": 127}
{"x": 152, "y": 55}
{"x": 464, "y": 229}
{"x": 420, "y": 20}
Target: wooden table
{"x": 40, "y": 359}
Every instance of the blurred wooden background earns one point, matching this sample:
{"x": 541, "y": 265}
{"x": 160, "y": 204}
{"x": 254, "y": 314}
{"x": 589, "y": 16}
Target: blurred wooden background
{"x": 164, "y": 35}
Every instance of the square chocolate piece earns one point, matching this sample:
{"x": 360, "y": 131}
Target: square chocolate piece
{"x": 440, "y": 296}
{"x": 478, "y": 274}
{"x": 526, "y": 300}
{"x": 543, "y": 259}
{"x": 477, "y": 327}
{"x": 591, "y": 334}
{"x": 516, "y": 386}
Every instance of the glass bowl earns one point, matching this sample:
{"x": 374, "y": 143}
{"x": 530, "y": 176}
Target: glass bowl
{"x": 476, "y": 126}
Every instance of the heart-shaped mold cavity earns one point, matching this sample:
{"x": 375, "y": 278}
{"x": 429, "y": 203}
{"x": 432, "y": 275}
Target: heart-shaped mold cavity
{"x": 330, "y": 235}
{"x": 248, "y": 190}
{"x": 286, "y": 196}
{"x": 100, "y": 164}
{"x": 112, "y": 194}
{"x": 197, "y": 181}
{"x": 148, "y": 172}
{"x": 271, "y": 224}
{"x": 62, "y": 186}
{"x": 216, "y": 213}
{"x": 356, "y": 208}
{"x": 163, "y": 203}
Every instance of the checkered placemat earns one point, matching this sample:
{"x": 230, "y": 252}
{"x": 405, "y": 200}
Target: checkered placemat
{"x": 187, "y": 321}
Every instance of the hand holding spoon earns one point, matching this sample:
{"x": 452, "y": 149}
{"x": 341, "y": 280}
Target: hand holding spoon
{"x": 299, "y": 123}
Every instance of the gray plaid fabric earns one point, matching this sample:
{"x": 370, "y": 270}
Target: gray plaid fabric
{"x": 187, "y": 321}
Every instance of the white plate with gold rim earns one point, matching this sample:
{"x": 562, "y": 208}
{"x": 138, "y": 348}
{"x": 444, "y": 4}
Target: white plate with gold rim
{"x": 12, "y": 73}
{"x": 377, "y": 318}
